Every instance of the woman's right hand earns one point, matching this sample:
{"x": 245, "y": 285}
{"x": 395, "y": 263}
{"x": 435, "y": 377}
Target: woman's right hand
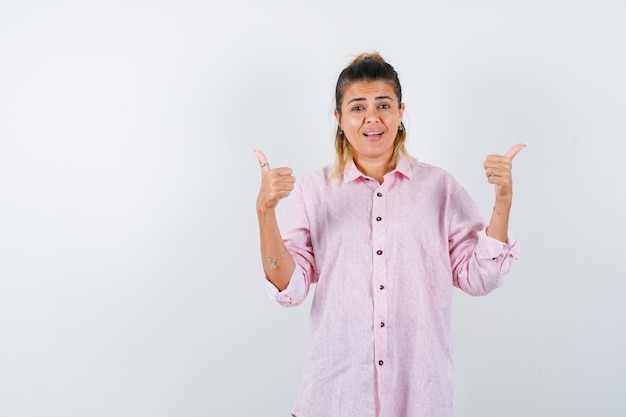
{"x": 276, "y": 184}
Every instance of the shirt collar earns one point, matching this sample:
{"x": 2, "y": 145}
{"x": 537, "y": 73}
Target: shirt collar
{"x": 402, "y": 167}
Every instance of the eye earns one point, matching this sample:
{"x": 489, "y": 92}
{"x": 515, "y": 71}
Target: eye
{"x": 384, "y": 106}
{"x": 357, "y": 108}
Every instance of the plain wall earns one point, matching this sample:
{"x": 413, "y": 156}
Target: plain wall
{"x": 130, "y": 274}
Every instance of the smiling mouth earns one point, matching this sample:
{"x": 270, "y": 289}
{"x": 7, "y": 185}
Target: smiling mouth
{"x": 373, "y": 133}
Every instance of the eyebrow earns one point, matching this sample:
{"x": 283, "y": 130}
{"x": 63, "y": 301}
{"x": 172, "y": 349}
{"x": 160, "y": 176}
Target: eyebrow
{"x": 376, "y": 98}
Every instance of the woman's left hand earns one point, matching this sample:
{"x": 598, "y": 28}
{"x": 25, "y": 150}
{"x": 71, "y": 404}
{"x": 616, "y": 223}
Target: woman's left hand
{"x": 498, "y": 171}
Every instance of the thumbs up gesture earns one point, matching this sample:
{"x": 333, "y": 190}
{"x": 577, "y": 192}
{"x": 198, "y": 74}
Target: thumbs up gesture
{"x": 276, "y": 184}
{"x": 498, "y": 171}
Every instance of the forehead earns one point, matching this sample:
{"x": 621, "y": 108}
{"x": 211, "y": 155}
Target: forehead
{"x": 369, "y": 90}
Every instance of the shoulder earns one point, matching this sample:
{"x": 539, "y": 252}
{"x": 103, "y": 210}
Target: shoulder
{"x": 442, "y": 186}
{"x": 318, "y": 179}
{"x": 425, "y": 173}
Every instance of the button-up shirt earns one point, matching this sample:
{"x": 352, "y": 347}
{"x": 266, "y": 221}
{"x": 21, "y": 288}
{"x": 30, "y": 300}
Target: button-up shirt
{"x": 384, "y": 258}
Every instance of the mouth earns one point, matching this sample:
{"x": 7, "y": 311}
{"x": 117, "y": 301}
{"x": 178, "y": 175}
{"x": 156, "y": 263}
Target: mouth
{"x": 372, "y": 134}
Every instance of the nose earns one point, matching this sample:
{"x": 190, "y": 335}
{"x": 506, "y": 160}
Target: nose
{"x": 372, "y": 115}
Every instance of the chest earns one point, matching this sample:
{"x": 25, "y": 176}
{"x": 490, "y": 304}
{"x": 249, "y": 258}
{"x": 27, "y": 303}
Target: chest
{"x": 357, "y": 218}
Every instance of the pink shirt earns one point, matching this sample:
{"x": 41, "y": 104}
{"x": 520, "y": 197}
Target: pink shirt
{"x": 385, "y": 259}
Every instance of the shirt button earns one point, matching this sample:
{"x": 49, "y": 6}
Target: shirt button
{"x": 382, "y": 324}
{"x": 379, "y": 194}
{"x": 382, "y": 287}
{"x": 378, "y": 218}
{"x": 380, "y": 363}
{"x": 379, "y": 252}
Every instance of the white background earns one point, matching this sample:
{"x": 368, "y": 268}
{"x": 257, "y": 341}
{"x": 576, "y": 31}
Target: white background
{"x": 130, "y": 278}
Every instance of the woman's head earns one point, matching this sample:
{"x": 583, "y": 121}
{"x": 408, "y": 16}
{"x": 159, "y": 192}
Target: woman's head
{"x": 367, "y": 70}
{"x": 366, "y": 67}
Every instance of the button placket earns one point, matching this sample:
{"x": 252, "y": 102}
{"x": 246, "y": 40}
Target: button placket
{"x": 379, "y": 283}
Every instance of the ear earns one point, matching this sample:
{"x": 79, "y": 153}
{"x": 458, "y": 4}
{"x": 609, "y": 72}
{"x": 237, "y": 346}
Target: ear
{"x": 337, "y": 117}
{"x": 401, "y": 110}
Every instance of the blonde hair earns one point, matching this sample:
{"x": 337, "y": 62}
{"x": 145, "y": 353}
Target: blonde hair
{"x": 366, "y": 67}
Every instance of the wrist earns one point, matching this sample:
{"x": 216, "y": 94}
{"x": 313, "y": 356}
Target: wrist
{"x": 501, "y": 207}
{"x": 500, "y": 212}
{"x": 265, "y": 213}
{"x": 504, "y": 204}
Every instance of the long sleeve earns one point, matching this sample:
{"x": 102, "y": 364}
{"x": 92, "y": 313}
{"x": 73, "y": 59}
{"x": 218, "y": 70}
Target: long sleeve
{"x": 296, "y": 234}
{"x": 294, "y": 294}
{"x": 485, "y": 270}
{"x": 478, "y": 261}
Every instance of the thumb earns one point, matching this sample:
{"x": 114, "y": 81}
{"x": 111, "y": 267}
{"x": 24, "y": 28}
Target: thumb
{"x": 514, "y": 150}
{"x": 262, "y": 160}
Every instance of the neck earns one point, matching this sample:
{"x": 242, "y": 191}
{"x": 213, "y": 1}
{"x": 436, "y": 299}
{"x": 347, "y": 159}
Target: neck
{"x": 374, "y": 168}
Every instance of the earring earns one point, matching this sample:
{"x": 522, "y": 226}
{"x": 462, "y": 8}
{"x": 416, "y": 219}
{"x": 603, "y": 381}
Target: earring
{"x": 341, "y": 132}
{"x": 401, "y": 127}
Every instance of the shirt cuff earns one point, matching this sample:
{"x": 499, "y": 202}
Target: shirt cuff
{"x": 491, "y": 248}
{"x": 293, "y": 294}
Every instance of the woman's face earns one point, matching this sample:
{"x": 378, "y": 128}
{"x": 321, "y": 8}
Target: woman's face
{"x": 370, "y": 116}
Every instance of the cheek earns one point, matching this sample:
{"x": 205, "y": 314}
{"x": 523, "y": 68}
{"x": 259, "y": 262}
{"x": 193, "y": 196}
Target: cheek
{"x": 394, "y": 120}
{"x": 350, "y": 123}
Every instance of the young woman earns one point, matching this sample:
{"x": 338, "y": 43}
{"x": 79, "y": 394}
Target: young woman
{"x": 385, "y": 238}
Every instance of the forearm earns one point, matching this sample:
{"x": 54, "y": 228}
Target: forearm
{"x": 498, "y": 172}
{"x": 280, "y": 265}
{"x": 499, "y": 223}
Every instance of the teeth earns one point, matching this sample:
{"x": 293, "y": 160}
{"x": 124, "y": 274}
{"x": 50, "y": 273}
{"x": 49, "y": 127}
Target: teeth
{"x": 373, "y": 133}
